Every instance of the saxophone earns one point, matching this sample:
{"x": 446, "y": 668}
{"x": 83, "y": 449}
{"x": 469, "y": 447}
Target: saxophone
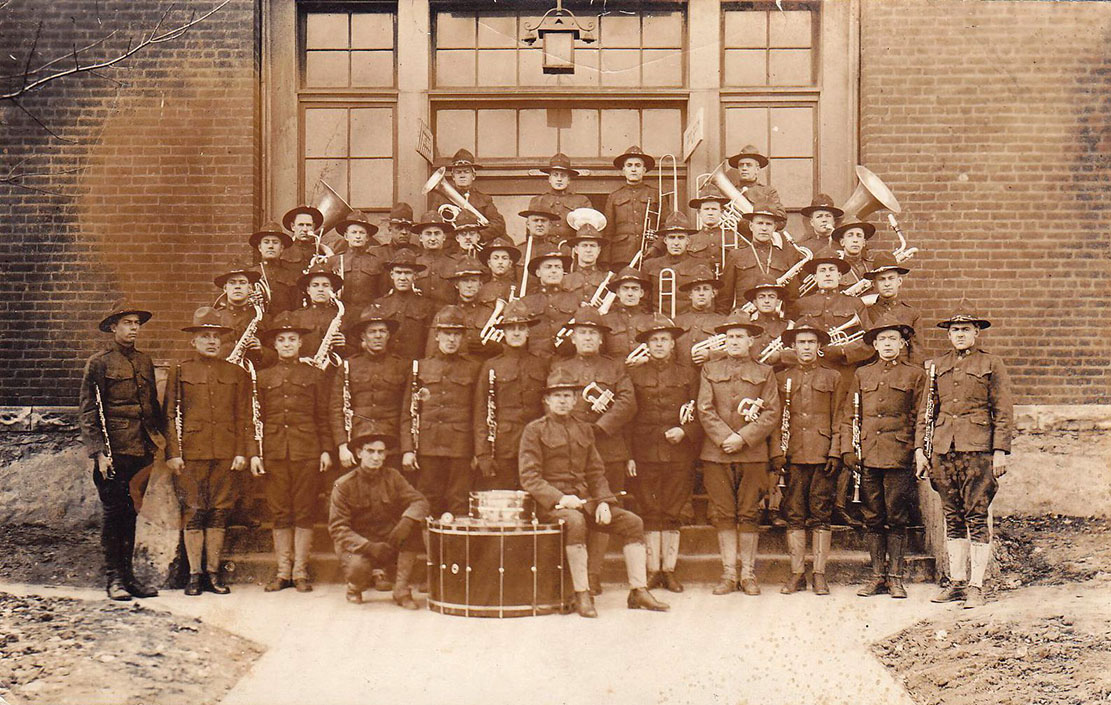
{"x": 324, "y": 355}
{"x": 239, "y": 353}
{"x": 238, "y": 356}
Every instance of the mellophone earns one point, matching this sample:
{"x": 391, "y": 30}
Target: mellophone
{"x": 498, "y": 562}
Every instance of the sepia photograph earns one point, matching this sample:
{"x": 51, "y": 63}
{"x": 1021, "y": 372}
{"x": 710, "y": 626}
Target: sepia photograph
{"x": 566, "y": 352}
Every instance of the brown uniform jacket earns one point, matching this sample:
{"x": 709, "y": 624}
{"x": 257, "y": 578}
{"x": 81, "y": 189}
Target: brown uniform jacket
{"x": 624, "y": 211}
{"x": 413, "y": 313}
{"x": 831, "y": 309}
{"x": 499, "y": 287}
{"x": 583, "y": 284}
{"x": 294, "y": 404}
{"x": 558, "y": 456}
{"x": 754, "y": 191}
{"x": 699, "y": 326}
{"x": 238, "y": 318}
{"x": 285, "y": 295}
{"x": 553, "y": 307}
{"x": 367, "y": 504}
{"x": 889, "y": 396}
{"x": 902, "y": 312}
{"x": 363, "y": 277}
{"x": 662, "y": 388}
{"x": 215, "y": 410}
{"x": 974, "y": 407}
{"x": 724, "y": 384}
{"x": 684, "y": 267}
{"x": 561, "y": 203}
{"x": 745, "y": 265}
{"x": 480, "y": 201}
{"x": 625, "y": 324}
{"x": 447, "y": 411}
{"x": 125, "y": 378}
{"x": 816, "y": 399}
{"x": 377, "y": 384}
{"x": 612, "y": 424}
{"x": 858, "y": 266}
{"x": 519, "y": 381}
{"x": 476, "y": 314}
{"x": 705, "y": 246}
{"x": 433, "y": 282}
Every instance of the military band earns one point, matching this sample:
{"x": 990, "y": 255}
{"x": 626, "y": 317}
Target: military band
{"x": 599, "y": 361}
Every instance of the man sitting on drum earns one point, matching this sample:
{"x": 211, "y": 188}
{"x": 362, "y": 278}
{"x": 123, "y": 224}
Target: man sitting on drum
{"x": 374, "y": 518}
{"x": 560, "y": 467}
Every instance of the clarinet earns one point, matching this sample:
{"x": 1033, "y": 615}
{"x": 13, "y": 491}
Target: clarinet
{"x": 414, "y": 407}
{"x": 931, "y": 415}
{"x": 785, "y": 432}
{"x": 491, "y": 411}
{"x": 104, "y": 431}
{"x": 348, "y": 412}
{"x": 179, "y": 425}
{"x": 256, "y": 407}
{"x": 857, "y": 448}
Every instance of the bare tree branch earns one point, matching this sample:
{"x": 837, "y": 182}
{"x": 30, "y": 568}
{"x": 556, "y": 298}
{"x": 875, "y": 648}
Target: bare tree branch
{"x": 50, "y": 63}
{"x": 17, "y": 178}
{"x": 41, "y": 124}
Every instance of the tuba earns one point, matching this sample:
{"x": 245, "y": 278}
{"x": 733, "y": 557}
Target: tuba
{"x": 438, "y": 182}
{"x": 586, "y": 216}
{"x": 870, "y": 195}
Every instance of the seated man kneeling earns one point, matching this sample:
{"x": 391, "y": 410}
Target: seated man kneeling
{"x": 374, "y": 517}
{"x": 560, "y": 467}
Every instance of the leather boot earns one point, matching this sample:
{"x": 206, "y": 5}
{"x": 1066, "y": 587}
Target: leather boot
{"x": 896, "y": 549}
{"x": 116, "y": 589}
{"x": 382, "y": 582}
{"x": 640, "y": 598}
{"x": 576, "y": 565}
{"x": 195, "y": 584}
{"x": 974, "y": 597}
{"x": 354, "y": 595}
{"x": 669, "y": 557}
{"x": 402, "y": 595}
{"x": 583, "y": 603}
{"x": 214, "y": 548}
{"x": 194, "y": 549}
{"x": 133, "y": 585}
{"x": 747, "y": 549}
{"x": 596, "y": 545}
{"x": 823, "y": 543}
{"x": 283, "y": 551}
{"x": 796, "y": 547}
{"x": 953, "y": 592}
{"x": 302, "y": 548}
{"x": 877, "y": 549}
{"x": 727, "y": 546}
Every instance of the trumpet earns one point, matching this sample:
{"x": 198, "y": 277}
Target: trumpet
{"x": 750, "y": 409}
{"x": 848, "y": 332}
{"x": 666, "y": 285}
{"x": 491, "y": 333}
{"x": 714, "y": 343}
{"x": 774, "y": 346}
{"x": 437, "y": 182}
{"x": 639, "y": 355}
{"x": 686, "y": 413}
{"x": 598, "y": 397}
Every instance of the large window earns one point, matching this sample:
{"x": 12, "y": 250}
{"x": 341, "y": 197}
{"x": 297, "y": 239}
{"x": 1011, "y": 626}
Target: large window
{"x": 768, "y": 46}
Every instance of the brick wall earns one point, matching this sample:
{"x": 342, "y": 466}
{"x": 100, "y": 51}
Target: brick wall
{"x": 992, "y": 123}
{"x": 150, "y": 181}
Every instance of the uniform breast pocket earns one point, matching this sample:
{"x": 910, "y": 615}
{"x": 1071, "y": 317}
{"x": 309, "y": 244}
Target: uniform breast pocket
{"x": 120, "y": 384}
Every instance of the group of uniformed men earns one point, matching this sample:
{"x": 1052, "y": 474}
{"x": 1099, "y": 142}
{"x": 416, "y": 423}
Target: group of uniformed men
{"x": 434, "y": 369}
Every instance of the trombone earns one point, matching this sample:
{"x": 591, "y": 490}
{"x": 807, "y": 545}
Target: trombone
{"x": 666, "y": 292}
{"x": 654, "y": 216}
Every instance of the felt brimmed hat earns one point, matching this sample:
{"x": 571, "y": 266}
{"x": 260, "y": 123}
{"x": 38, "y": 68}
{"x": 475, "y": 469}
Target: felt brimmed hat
{"x": 406, "y": 258}
{"x": 467, "y": 267}
{"x": 450, "y": 318}
{"x": 317, "y": 217}
{"x": 549, "y": 252}
{"x": 207, "y": 318}
{"x": 373, "y": 313}
{"x": 749, "y": 151}
{"x": 429, "y": 219}
{"x": 868, "y": 228}
{"x": 701, "y": 275}
{"x": 358, "y": 441}
{"x": 806, "y": 324}
{"x": 465, "y": 222}
{"x": 740, "y": 319}
{"x": 274, "y": 229}
{"x": 764, "y": 283}
{"x": 710, "y": 195}
{"x": 586, "y": 232}
{"x": 885, "y": 262}
{"x": 561, "y": 379}
{"x": 320, "y": 269}
{"x": 676, "y": 223}
{"x": 634, "y": 151}
{"x": 284, "y": 322}
{"x": 628, "y": 274}
{"x": 658, "y": 324}
{"x": 401, "y": 213}
{"x": 821, "y": 202}
{"x": 887, "y": 322}
{"x": 517, "y": 312}
{"x": 559, "y": 162}
{"x": 500, "y": 243}
{"x": 590, "y": 317}
{"x": 247, "y": 269}
{"x": 964, "y": 315}
{"x": 356, "y": 218}
{"x": 463, "y": 157}
{"x": 120, "y": 309}
{"x": 827, "y": 256}
{"x": 769, "y": 210}
{"x": 534, "y": 208}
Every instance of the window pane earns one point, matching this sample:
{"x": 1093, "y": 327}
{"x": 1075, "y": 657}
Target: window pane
{"x": 620, "y": 67}
{"x": 372, "y": 68}
{"x": 455, "y": 129}
{"x": 372, "y": 30}
{"x": 455, "y": 30}
{"x": 497, "y": 67}
{"x": 663, "y": 132}
{"x": 326, "y": 69}
{"x": 538, "y": 139}
{"x": 372, "y": 132}
{"x": 745, "y": 67}
{"x": 745, "y": 126}
{"x": 326, "y": 30}
{"x": 790, "y": 29}
{"x": 789, "y": 67}
{"x": 326, "y": 132}
{"x": 792, "y": 132}
{"x": 794, "y": 179}
{"x": 332, "y": 172}
{"x": 620, "y": 31}
{"x": 580, "y": 139}
{"x": 455, "y": 67}
{"x": 531, "y": 61}
{"x": 371, "y": 183}
{"x": 746, "y": 29}
{"x": 620, "y": 129}
{"x": 665, "y": 30}
{"x": 497, "y": 133}
{"x": 663, "y": 67}
{"x": 586, "y": 69}
{"x": 497, "y": 32}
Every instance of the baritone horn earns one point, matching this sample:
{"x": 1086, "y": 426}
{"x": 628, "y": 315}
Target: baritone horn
{"x": 437, "y": 182}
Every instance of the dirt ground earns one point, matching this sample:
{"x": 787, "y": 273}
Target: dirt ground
{"x": 43, "y": 555}
{"x": 56, "y": 649}
{"x": 1043, "y": 639}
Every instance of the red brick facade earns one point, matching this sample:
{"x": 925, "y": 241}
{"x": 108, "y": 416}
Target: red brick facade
{"x": 989, "y": 120}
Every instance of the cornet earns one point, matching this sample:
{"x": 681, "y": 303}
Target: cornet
{"x": 491, "y": 331}
{"x": 686, "y": 413}
{"x": 750, "y": 409}
{"x": 598, "y": 397}
{"x": 774, "y": 346}
{"x": 714, "y": 343}
{"x": 639, "y": 355}
{"x": 848, "y": 332}
{"x": 437, "y": 182}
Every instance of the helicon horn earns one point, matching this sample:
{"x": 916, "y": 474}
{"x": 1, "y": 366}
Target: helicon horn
{"x": 871, "y": 194}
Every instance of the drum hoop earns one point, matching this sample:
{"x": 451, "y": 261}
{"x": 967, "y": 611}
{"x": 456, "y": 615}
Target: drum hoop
{"x": 549, "y": 529}
{"x": 496, "y": 609}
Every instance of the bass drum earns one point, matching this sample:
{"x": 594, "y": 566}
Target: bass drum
{"x": 478, "y": 569}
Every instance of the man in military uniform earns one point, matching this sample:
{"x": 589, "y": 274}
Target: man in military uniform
{"x": 706, "y": 243}
{"x": 303, "y": 222}
{"x": 886, "y": 276}
{"x": 587, "y": 274}
{"x": 462, "y": 172}
{"x": 889, "y": 391}
{"x": 296, "y": 444}
{"x": 565, "y": 474}
{"x": 320, "y": 285}
{"x": 375, "y": 515}
{"x": 766, "y": 294}
{"x": 209, "y": 402}
{"x": 676, "y": 233}
{"x": 500, "y": 257}
{"x": 507, "y": 396}
{"x": 538, "y": 226}
{"x": 280, "y": 277}
{"x": 398, "y": 233}
{"x": 237, "y": 310}
{"x": 548, "y": 302}
{"x": 748, "y": 163}
{"x": 759, "y": 258}
{"x": 432, "y": 280}
{"x": 701, "y": 320}
{"x": 559, "y": 199}
{"x": 440, "y": 437}
{"x": 627, "y": 313}
{"x": 467, "y": 278}
{"x": 853, "y": 237}
{"x": 974, "y": 417}
{"x": 410, "y": 308}
{"x": 738, "y": 406}
{"x": 356, "y": 262}
{"x": 609, "y": 409}
{"x": 121, "y": 427}
{"x": 821, "y": 219}
{"x": 468, "y": 238}
{"x": 667, "y": 443}
{"x": 811, "y": 460}
{"x": 626, "y": 207}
